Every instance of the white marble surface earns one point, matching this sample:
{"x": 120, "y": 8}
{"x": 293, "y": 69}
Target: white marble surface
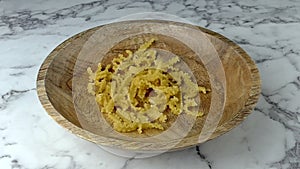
{"x": 268, "y": 30}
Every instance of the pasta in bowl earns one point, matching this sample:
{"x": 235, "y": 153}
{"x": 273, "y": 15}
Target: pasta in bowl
{"x": 148, "y": 91}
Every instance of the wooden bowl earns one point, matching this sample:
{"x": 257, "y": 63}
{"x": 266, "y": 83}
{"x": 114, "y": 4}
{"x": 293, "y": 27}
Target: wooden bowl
{"x": 56, "y": 76}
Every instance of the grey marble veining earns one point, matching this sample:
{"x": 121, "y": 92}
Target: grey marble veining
{"x": 267, "y": 30}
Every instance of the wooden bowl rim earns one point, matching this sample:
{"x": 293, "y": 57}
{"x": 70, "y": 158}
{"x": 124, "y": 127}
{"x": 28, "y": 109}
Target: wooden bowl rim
{"x": 235, "y": 121}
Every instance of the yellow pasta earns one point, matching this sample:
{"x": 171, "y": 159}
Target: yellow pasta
{"x": 136, "y": 91}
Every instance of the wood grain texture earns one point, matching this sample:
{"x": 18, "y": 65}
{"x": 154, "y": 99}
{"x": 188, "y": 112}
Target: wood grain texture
{"x": 54, "y": 86}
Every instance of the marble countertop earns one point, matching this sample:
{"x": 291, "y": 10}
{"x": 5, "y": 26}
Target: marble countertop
{"x": 268, "y": 30}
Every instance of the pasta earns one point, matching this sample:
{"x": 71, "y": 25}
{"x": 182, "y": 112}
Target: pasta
{"x": 137, "y": 90}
